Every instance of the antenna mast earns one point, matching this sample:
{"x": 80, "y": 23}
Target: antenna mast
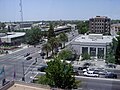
{"x": 21, "y": 10}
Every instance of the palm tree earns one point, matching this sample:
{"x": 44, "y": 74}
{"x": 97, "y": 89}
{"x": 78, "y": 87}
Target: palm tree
{"x": 51, "y": 32}
{"x": 54, "y": 43}
{"x": 47, "y": 48}
{"x": 63, "y": 38}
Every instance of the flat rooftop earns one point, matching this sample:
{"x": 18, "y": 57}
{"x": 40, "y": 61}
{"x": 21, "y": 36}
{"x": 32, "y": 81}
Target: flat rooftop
{"x": 26, "y": 86}
{"x": 14, "y": 35}
{"x": 94, "y": 38}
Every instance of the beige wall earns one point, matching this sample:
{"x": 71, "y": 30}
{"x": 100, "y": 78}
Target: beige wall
{"x": 25, "y": 87}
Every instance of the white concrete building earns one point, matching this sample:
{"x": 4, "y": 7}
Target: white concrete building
{"x": 115, "y": 28}
{"x": 12, "y": 37}
{"x": 93, "y": 44}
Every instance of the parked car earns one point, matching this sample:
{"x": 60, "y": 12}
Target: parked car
{"x": 42, "y": 54}
{"x": 111, "y": 75}
{"x": 42, "y": 69}
{"x": 28, "y": 58}
{"x": 75, "y": 72}
{"x": 111, "y": 66}
{"x": 100, "y": 71}
{"x": 91, "y": 74}
{"x": 27, "y": 55}
{"x": 87, "y": 64}
{"x": 81, "y": 68}
{"x": 85, "y": 70}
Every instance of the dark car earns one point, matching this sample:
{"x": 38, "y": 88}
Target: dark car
{"x": 28, "y": 58}
{"x": 42, "y": 54}
{"x": 111, "y": 75}
{"x": 111, "y": 66}
{"x": 27, "y": 55}
{"x": 42, "y": 69}
{"x": 84, "y": 67}
{"x": 87, "y": 64}
{"x": 75, "y": 72}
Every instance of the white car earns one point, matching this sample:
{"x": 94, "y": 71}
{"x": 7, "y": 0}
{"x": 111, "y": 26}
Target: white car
{"x": 40, "y": 51}
{"x": 91, "y": 74}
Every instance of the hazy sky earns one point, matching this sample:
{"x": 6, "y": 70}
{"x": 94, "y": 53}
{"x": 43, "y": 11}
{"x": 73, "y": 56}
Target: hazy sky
{"x": 58, "y": 9}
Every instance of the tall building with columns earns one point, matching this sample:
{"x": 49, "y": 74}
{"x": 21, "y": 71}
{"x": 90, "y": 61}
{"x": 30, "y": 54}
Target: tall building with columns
{"x": 93, "y": 44}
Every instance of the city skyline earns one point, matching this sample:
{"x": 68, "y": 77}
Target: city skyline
{"x": 35, "y": 10}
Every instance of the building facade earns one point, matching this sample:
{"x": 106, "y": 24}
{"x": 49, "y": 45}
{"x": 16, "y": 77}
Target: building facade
{"x": 12, "y": 38}
{"x": 93, "y": 44}
{"x": 100, "y": 25}
{"x": 115, "y": 28}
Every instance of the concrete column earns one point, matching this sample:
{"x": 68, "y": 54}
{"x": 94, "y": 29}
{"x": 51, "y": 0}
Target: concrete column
{"x": 104, "y": 52}
{"x": 80, "y": 50}
{"x": 88, "y": 50}
{"x": 96, "y": 52}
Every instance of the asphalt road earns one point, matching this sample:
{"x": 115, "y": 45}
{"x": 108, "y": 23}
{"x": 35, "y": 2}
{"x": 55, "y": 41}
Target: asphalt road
{"x": 13, "y": 62}
{"x": 91, "y": 83}
{"x": 98, "y": 84}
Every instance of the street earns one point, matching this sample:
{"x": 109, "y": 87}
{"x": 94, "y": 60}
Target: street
{"x": 88, "y": 83}
{"x": 14, "y": 63}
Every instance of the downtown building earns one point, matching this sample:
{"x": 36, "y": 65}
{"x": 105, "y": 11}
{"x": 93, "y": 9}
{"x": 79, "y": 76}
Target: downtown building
{"x": 96, "y": 45}
{"x": 100, "y": 25}
{"x": 115, "y": 28}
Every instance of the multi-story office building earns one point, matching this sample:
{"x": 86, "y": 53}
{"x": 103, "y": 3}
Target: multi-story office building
{"x": 99, "y": 25}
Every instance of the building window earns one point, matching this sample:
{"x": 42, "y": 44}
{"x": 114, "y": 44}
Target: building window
{"x": 92, "y": 51}
{"x": 84, "y": 50}
{"x": 100, "y": 53}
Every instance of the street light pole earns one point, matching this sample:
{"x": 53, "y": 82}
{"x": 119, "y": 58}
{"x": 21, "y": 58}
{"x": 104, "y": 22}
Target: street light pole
{"x": 4, "y": 78}
{"x": 23, "y": 78}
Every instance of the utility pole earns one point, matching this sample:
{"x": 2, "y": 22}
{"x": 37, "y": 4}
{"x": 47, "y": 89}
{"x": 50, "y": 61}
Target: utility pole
{"x": 21, "y": 13}
{"x": 4, "y": 78}
{"x": 23, "y": 78}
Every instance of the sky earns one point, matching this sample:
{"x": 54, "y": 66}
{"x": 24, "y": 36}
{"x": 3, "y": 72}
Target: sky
{"x": 36, "y": 10}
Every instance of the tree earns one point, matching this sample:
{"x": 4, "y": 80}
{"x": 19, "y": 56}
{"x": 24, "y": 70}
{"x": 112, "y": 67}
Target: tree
{"x": 47, "y": 48}
{"x": 111, "y": 55}
{"x": 63, "y": 38}
{"x": 9, "y": 29}
{"x": 3, "y": 26}
{"x": 51, "y": 32}
{"x": 85, "y": 56}
{"x": 83, "y": 27}
{"x": 65, "y": 54}
{"x": 59, "y": 74}
{"x": 33, "y": 36}
{"x": 54, "y": 43}
{"x": 117, "y": 53}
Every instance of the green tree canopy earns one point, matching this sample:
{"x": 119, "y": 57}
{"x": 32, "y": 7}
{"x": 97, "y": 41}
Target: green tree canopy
{"x": 33, "y": 36}
{"x": 85, "y": 56}
{"x": 83, "y": 27}
{"x": 59, "y": 74}
{"x": 63, "y": 38}
{"x": 54, "y": 42}
{"x": 113, "y": 51}
{"x": 2, "y": 25}
{"x": 65, "y": 54}
{"x": 117, "y": 53}
{"x": 47, "y": 48}
{"x": 51, "y": 32}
